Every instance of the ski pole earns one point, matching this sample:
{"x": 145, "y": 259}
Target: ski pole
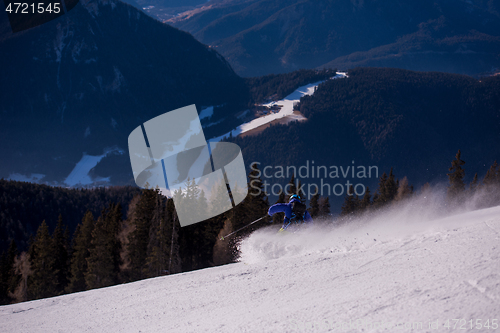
{"x": 222, "y": 238}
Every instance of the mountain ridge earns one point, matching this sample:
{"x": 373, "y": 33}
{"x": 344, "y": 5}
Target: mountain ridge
{"x": 267, "y": 36}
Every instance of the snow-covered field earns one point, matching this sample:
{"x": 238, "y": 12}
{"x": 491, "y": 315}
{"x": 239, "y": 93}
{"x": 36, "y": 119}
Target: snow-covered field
{"x": 410, "y": 269}
{"x": 80, "y": 174}
{"x": 285, "y": 111}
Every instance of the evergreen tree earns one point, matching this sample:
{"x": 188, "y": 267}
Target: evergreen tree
{"x": 191, "y": 201}
{"x": 473, "y": 185}
{"x": 9, "y": 279}
{"x": 404, "y": 190}
{"x": 103, "y": 262}
{"x": 202, "y": 203}
{"x": 113, "y": 218}
{"x": 391, "y": 187}
{"x": 381, "y": 197}
{"x": 351, "y": 203}
{"x": 81, "y": 245}
{"x": 156, "y": 261}
{"x": 324, "y": 207}
{"x": 43, "y": 282}
{"x": 19, "y": 285}
{"x": 100, "y": 261}
{"x": 299, "y": 190}
{"x": 222, "y": 251}
{"x": 492, "y": 175}
{"x": 61, "y": 255}
{"x": 314, "y": 205}
{"x": 139, "y": 237}
{"x": 456, "y": 178}
{"x": 219, "y": 199}
{"x": 491, "y": 184}
{"x": 256, "y": 203}
{"x": 366, "y": 202}
{"x": 174, "y": 259}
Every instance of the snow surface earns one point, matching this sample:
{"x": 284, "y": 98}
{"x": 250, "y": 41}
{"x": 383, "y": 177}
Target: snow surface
{"x": 32, "y": 178}
{"x": 80, "y": 173}
{"x": 206, "y": 112}
{"x": 412, "y": 266}
{"x": 285, "y": 111}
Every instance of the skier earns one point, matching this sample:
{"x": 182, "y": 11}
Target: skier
{"x": 295, "y": 212}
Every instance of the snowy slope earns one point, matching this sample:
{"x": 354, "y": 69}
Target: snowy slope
{"x": 402, "y": 268}
{"x": 286, "y": 109}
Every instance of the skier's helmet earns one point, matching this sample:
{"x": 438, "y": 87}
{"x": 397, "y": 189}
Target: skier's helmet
{"x": 295, "y": 196}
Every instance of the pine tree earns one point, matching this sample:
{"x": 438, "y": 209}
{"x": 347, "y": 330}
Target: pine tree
{"x": 492, "y": 175}
{"x": 43, "y": 282}
{"x": 22, "y": 269}
{"x": 222, "y": 251}
{"x": 351, "y": 203}
{"x": 256, "y": 204}
{"x": 366, "y": 201}
{"x": 174, "y": 259}
{"x": 491, "y": 184}
{"x": 61, "y": 255}
{"x": 104, "y": 258}
{"x": 473, "y": 185}
{"x": 100, "y": 261}
{"x": 139, "y": 237}
{"x": 113, "y": 220}
{"x": 314, "y": 205}
{"x": 391, "y": 187}
{"x": 163, "y": 248}
{"x": 380, "y": 197}
{"x": 456, "y": 178}
{"x": 324, "y": 207}
{"x": 81, "y": 246}
{"x": 404, "y": 190}
{"x": 202, "y": 204}
{"x": 9, "y": 279}
{"x": 299, "y": 190}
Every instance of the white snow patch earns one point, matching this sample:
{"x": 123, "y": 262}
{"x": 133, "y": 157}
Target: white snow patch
{"x": 206, "y": 112}
{"x": 214, "y": 123}
{"x": 80, "y": 174}
{"x": 32, "y": 178}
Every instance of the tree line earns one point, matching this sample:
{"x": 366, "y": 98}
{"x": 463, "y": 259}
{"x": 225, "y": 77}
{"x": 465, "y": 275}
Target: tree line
{"x": 390, "y": 190}
{"x": 24, "y": 205}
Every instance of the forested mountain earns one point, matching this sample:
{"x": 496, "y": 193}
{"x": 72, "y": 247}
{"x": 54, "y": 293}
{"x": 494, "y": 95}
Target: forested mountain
{"x": 82, "y": 82}
{"x": 259, "y": 37}
{"x": 23, "y": 206}
{"x": 387, "y": 118}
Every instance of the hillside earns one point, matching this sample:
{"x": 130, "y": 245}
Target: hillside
{"x": 414, "y": 122}
{"x": 260, "y": 37}
{"x": 78, "y": 85}
{"x": 398, "y": 269}
{"x": 24, "y": 206}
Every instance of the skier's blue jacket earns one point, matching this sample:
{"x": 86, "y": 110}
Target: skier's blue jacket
{"x": 287, "y": 209}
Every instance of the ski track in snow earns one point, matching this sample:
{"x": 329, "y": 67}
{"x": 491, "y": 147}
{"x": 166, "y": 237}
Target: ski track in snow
{"x": 397, "y": 268}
